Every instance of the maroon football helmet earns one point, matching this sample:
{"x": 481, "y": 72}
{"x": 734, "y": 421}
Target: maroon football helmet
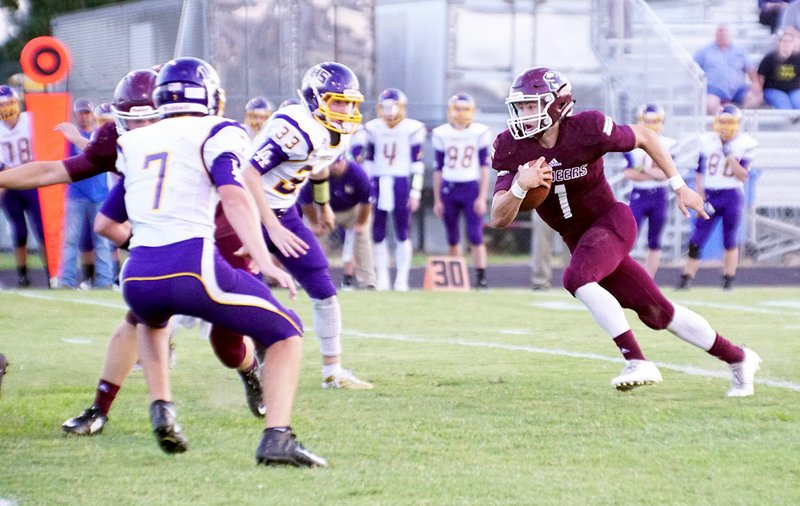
{"x": 133, "y": 99}
{"x": 547, "y": 89}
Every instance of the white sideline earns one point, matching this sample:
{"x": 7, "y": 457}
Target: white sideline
{"x": 694, "y": 371}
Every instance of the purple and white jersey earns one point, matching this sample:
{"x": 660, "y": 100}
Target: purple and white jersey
{"x": 394, "y": 151}
{"x": 642, "y": 161}
{"x": 358, "y": 143}
{"x": 171, "y": 173}
{"x": 347, "y": 190}
{"x": 16, "y": 147}
{"x": 460, "y": 154}
{"x": 251, "y": 133}
{"x": 712, "y": 162}
{"x": 580, "y": 193}
{"x": 292, "y": 146}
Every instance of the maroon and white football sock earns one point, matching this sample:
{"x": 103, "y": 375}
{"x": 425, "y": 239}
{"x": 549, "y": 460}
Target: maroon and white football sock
{"x": 726, "y": 351}
{"x": 104, "y": 395}
{"x": 628, "y": 346}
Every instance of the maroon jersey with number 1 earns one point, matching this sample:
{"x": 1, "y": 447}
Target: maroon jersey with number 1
{"x": 580, "y": 193}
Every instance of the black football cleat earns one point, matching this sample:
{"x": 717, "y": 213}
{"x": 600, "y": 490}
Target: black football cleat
{"x": 88, "y": 423}
{"x": 684, "y": 283}
{"x": 23, "y": 281}
{"x": 3, "y": 367}
{"x": 165, "y": 427}
{"x": 253, "y": 392}
{"x": 727, "y": 282}
{"x": 279, "y": 447}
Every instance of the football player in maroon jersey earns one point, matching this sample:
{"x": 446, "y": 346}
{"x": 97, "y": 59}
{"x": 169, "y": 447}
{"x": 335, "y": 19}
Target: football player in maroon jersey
{"x": 548, "y": 145}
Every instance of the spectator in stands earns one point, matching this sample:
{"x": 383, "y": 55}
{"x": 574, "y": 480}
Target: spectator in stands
{"x": 727, "y": 68}
{"x": 779, "y": 72}
{"x": 790, "y": 20}
{"x": 770, "y": 13}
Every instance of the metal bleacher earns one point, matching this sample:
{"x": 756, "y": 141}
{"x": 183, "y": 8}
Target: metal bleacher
{"x": 645, "y": 49}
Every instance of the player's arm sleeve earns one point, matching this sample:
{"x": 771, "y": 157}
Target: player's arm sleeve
{"x": 484, "y": 148}
{"x": 611, "y": 136}
{"x": 284, "y": 141}
{"x": 746, "y": 160}
{"x": 417, "y": 165}
{"x": 438, "y": 157}
{"x": 112, "y": 220}
{"x": 629, "y": 161}
{"x": 438, "y": 150}
{"x": 503, "y": 181}
{"x": 114, "y": 205}
{"x": 369, "y": 156}
{"x": 223, "y": 153}
{"x": 305, "y": 196}
{"x": 99, "y": 156}
{"x": 417, "y": 141}
{"x": 702, "y": 163}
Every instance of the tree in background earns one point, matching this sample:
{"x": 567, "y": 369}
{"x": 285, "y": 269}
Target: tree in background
{"x": 34, "y": 22}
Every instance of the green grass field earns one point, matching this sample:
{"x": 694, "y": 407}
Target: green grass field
{"x": 481, "y": 398}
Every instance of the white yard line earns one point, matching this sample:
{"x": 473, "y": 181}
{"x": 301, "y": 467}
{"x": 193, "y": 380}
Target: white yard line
{"x": 691, "y": 370}
{"x": 685, "y": 369}
{"x": 40, "y": 296}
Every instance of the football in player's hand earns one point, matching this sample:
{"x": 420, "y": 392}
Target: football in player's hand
{"x": 534, "y": 197}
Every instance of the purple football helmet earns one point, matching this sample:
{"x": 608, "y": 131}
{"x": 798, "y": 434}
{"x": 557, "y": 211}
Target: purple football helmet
{"x": 652, "y": 116}
{"x": 259, "y": 104}
{"x": 327, "y": 83}
{"x": 9, "y": 104}
{"x": 550, "y": 91}
{"x": 133, "y": 99}
{"x": 256, "y": 112}
{"x": 726, "y": 122}
{"x": 460, "y": 110}
{"x": 392, "y": 106}
{"x": 187, "y": 85}
{"x": 102, "y": 113}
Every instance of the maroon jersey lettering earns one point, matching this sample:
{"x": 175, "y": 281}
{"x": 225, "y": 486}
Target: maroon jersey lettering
{"x": 580, "y": 193}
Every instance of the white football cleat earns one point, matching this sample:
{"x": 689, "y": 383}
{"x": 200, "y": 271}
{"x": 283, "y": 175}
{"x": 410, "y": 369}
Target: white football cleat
{"x": 743, "y": 374}
{"x": 637, "y": 373}
{"x": 345, "y": 379}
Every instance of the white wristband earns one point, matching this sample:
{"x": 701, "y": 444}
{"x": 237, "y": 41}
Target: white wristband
{"x": 676, "y": 182}
{"x": 517, "y": 190}
{"x": 415, "y": 194}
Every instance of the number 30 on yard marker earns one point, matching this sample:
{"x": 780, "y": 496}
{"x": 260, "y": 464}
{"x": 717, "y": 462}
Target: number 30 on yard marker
{"x": 446, "y": 273}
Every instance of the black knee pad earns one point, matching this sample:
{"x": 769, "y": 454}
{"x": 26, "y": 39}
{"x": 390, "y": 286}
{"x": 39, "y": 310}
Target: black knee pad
{"x": 694, "y": 251}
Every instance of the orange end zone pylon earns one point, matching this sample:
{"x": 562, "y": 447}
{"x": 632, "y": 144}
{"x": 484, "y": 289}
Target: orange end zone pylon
{"x": 46, "y": 60}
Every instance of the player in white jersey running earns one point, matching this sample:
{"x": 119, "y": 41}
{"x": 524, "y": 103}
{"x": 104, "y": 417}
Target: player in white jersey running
{"x": 726, "y": 156}
{"x": 297, "y": 145}
{"x": 16, "y": 148}
{"x": 649, "y": 200}
{"x": 393, "y": 159}
{"x": 174, "y": 172}
{"x": 461, "y": 178}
